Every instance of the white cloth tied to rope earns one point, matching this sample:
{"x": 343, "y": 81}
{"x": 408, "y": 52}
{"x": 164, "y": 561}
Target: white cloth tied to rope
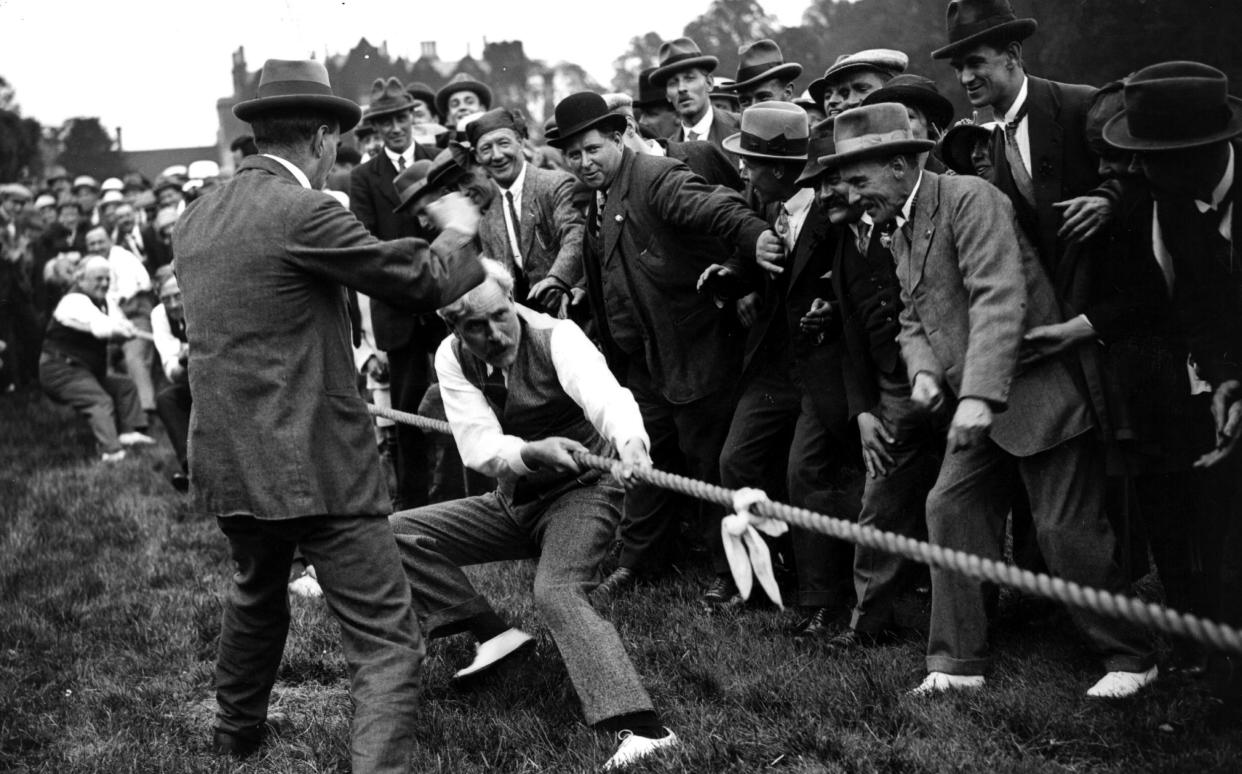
{"x": 745, "y": 549}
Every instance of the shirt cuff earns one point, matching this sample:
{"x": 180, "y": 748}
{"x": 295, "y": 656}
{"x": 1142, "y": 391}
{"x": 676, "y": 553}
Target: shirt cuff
{"x": 511, "y": 453}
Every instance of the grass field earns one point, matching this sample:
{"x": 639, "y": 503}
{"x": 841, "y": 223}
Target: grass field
{"x": 110, "y": 589}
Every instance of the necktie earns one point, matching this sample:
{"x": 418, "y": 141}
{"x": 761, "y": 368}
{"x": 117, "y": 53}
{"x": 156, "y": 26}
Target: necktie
{"x": 1017, "y": 167}
{"x": 516, "y": 247}
{"x": 495, "y": 391}
{"x": 864, "y": 237}
{"x": 601, "y": 200}
{"x": 400, "y": 163}
{"x": 692, "y": 135}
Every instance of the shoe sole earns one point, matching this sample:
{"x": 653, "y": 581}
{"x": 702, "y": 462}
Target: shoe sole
{"x": 517, "y": 653}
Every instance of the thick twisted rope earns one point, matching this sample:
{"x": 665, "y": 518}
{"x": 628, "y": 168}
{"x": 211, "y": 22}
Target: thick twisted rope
{"x": 1105, "y": 603}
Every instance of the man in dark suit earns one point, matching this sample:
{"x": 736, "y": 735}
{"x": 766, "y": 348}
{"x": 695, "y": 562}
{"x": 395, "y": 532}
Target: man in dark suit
{"x": 704, "y": 159}
{"x": 971, "y": 286}
{"x": 654, "y": 227}
{"x": 685, "y": 74}
{"x": 406, "y": 340}
{"x": 531, "y": 224}
{"x": 763, "y": 75}
{"x": 282, "y": 449}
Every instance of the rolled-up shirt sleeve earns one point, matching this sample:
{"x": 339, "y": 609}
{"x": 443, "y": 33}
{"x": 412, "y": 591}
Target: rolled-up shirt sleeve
{"x": 482, "y": 443}
{"x": 166, "y": 344}
{"x": 585, "y": 377}
{"x": 77, "y": 311}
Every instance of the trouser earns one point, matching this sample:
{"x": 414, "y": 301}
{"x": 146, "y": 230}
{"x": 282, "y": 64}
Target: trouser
{"x": 966, "y": 511}
{"x": 685, "y": 438}
{"x": 408, "y": 373}
{"x": 173, "y": 404}
{"x": 569, "y": 529}
{"x": 108, "y": 402}
{"x": 355, "y": 558}
{"x": 139, "y": 356}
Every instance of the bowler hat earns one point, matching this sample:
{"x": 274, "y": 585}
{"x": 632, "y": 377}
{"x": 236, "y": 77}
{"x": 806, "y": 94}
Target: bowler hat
{"x": 462, "y": 82}
{"x": 421, "y": 91}
{"x": 678, "y": 55}
{"x": 761, "y": 61}
{"x": 957, "y": 143}
{"x": 882, "y": 60}
{"x": 649, "y": 93}
{"x": 286, "y": 84}
{"x": 909, "y": 89}
{"x": 580, "y": 112}
{"x": 821, "y": 147}
{"x": 1174, "y": 105}
{"x": 972, "y": 22}
{"x": 387, "y": 97}
{"x": 776, "y": 131}
{"x": 500, "y": 118}
{"x": 411, "y": 182}
{"x": 873, "y": 130}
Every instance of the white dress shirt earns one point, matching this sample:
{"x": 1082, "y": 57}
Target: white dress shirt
{"x": 703, "y": 127}
{"x": 1023, "y": 131}
{"x": 512, "y": 228}
{"x": 797, "y": 206}
{"x": 298, "y": 174}
{"x": 407, "y": 155}
{"x": 583, "y": 375}
{"x": 907, "y": 209}
{"x": 76, "y": 310}
{"x": 166, "y": 343}
{"x": 128, "y": 276}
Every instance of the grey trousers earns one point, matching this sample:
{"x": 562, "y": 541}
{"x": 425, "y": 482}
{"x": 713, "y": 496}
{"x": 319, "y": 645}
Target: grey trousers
{"x": 109, "y": 403}
{"x": 966, "y": 510}
{"x": 356, "y": 561}
{"x": 139, "y": 355}
{"x": 569, "y": 529}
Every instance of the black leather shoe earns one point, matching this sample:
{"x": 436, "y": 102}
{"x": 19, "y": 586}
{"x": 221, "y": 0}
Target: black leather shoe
{"x": 618, "y": 582}
{"x": 181, "y": 482}
{"x": 245, "y": 743}
{"x": 816, "y": 624}
{"x": 723, "y": 591}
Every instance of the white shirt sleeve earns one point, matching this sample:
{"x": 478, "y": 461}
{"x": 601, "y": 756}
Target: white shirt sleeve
{"x": 481, "y": 442}
{"x": 129, "y": 276}
{"x": 366, "y": 337}
{"x": 76, "y": 311}
{"x": 585, "y": 377}
{"x": 168, "y": 345}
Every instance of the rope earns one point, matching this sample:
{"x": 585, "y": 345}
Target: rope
{"x": 1150, "y": 615}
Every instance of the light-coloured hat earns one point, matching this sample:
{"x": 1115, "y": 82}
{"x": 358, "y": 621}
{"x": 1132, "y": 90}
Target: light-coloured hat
{"x": 112, "y": 197}
{"x": 203, "y": 169}
{"x": 112, "y": 184}
{"x": 883, "y": 60}
{"x": 777, "y": 131}
{"x": 873, "y": 130}
{"x": 45, "y": 200}
{"x": 15, "y": 190}
{"x": 84, "y": 181}
{"x": 176, "y": 170}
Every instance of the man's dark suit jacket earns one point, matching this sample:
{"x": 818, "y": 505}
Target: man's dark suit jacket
{"x": 705, "y": 160}
{"x": 724, "y": 124}
{"x": 664, "y": 225}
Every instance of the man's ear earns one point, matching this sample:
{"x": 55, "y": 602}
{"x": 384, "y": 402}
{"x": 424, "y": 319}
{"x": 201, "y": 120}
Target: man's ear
{"x": 319, "y": 141}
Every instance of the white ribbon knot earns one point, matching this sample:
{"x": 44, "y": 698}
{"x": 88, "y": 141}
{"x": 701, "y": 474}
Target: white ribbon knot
{"x": 744, "y": 548}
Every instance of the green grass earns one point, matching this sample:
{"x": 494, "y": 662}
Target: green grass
{"x": 110, "y": 589}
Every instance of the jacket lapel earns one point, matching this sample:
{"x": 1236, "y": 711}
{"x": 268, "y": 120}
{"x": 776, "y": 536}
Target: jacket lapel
{"x": 809, "y": 238}
{"x": 530, "y": 209}
{"x": 923, "y": 226}
{"x": 614, "y": 209}
{"x": 385, "y": 173}
{"x": 1047, "y": 147}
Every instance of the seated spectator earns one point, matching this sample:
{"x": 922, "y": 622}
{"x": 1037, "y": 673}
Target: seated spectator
{"x": 130, "y": 291}
{"x": 73, "y": 368}
{"x": 173, "y": 401}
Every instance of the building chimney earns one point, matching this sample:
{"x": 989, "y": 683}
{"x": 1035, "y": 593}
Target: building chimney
{"x": 429, "y": 50}
{"x": 120, "y": 146}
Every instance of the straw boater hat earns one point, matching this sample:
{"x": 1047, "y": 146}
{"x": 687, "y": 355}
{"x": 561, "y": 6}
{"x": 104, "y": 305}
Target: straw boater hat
{"x": 462, "y": 82}
{"x": 909, "y": 89}
{"x": 581, "y": 112}
{"x": 387, "y": 97}
{"x": 883, "y": 60}
{"x": 1175, "y": 105}
{"x": 775, "y": 131}
{"x": 821, "y": 147}
{"x": 85, "y": 181}
{"x": 297, "y": 83}
{"x": 761, "y": 61}
{"x": 678, "y": 55}
{"x": 972, "y": 22}
{"x": 873, "y": 130}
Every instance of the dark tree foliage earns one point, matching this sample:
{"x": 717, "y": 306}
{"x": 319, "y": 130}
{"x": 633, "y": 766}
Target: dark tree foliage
{"x": 19, "y": 147}
{"x": 88, "y": 150}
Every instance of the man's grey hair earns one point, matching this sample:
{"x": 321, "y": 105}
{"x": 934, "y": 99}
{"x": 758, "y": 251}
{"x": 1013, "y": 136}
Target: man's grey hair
{"x": 88, "y": 262}
{"x": 494, "y": 271}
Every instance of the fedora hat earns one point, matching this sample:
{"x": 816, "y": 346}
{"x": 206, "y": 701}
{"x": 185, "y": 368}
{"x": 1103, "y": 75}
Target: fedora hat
{"x": 957, "y": 143}
{"x": 462, "y": 82}
{"x": 873, "y": 130}
{"x": 648, "y": 93}
{"x": 297, "y": 83}
{"x": 387, "y": 97}
{"x": 776, "y": 131}
{"x": 412, "y": 182}
{"x": 1175, "y": 105}
{"x": 761, "y": 61}
{"x": 580, "y": 112}
{"x": 678, "y": 55}
{"x": 821, "y": 147}
{"x": 909, "y": 89}
{"x": 886, "y": 61}
{"x": 972, "y": 22}
{"x": 446, "y": 168}
{"x": 421, "y": 91}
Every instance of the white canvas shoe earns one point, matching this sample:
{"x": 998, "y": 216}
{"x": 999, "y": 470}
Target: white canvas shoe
{"x": 633, "y": 747}
{"x": 115, "y": 456}
{"x": 1120, "y": 685}
{"x": 306, "y": 586}
{"x": 939, "y": 682}
{"x": 490, "y": 653}
{"x": 134, "y": 438}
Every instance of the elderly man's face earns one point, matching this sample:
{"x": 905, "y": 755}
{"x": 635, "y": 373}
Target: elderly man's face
{"x": 849, "y": 90}
{"x": 490, "y": 328}
{"x": 988, "y": 75}
{"x": 394, "y": 130}
{"x": 834, "y": 197}
{"x": 98, "y": 243}
{"x": 880, "y": 187}
{"x": 594, "y": 157}
{"x": 771, "y": 90}
{"x": 462, "y": 104}
{"x": 500, "y": 153}
{"x": 688, "y": 92}
{"x": 95, "y": 280}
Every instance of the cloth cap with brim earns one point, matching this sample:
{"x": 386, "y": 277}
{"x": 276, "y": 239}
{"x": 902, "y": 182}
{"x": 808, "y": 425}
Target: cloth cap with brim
{"x": 45, "y": 200}
{"x": 16, "y": 191}
{"x": 958, "y": 143}
{"x": 761, "y": 61}
{"x": 581, "y": 112}
{"x": 650, "y": 95}
{"x": 293, "y": 84}
{"x": 412, "y": 182}
{"x": 971, "y": 22}
{"x": 1173, "y": 106}
{"x": 421, "y": 91}
{"x": 915, "y": 90}
{"x": 462, "y": 82}
{"x": 500, "y": 118}
{"x": 678, "y": 55}
{"x": 885, "y": 61}
{"x": 774, "y": 131}
{"x": 873, "y": 130}
{"x": 85, "y": 181}
{"x": 387, "y": 97}
{"x": 821, "y": 147}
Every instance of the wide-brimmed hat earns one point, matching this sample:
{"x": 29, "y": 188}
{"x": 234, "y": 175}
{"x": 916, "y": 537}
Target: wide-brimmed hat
{"x": 722, "y": 88}
{"x": 580, "y": 112}
{"x": 445, "y": 169}
{"x": 678, "y": 55}
{"x": 286, "y": 84}
{"x": 412, "y": 182}
{"x": 776, "y": 131}
{"x": 500, "y": 118}
{"x": 462, "y": 82}
{"x": 883, "y": 60}
{"x": 873, "y": 130}
{"x": 761, "y": 61}
{"x": 909, "y": 89}
{"x": 820, "y": 147}
{"x": 1175, "y": 105}
{"x": 387, "y": 97}
{"x": 957, "y": 144}
{"x": 649, "y": 93}
{"x": 421, "y": 91}
{"x": 971, "y": 22}
{"x": 171, "y": 181}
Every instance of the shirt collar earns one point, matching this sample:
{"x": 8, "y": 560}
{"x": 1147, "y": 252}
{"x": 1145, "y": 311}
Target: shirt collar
{"x": 298, "y": 174}
{"x": 1222, "y": 188}
{"x": 799, "y": 202}
{"x": 704, "y": 126}
{"x": 518, "y": 182}
{"x": 407, "y": 154}
{"x": 1018, "y": 103}
{"x": 907, "y": 209}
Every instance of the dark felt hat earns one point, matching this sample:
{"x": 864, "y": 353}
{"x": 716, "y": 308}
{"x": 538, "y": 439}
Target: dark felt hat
{"x": 421, "y": 91}
{"x": 1175, "y": 105}
{"x": 411, "y": 182}
{"x": 580, "y": 112}
{"x": 957, "y": 143}
{"x": 971, "y": 22}
{"x": 774, "y": 131}
{"x": 648, "y": 93}
{"x": 678, "y": 55}
{"x": 445, "y": 169}
{"x": 462, "y": 82}
{"x": 761, "y": 61}
{"x": 387, "y": 97}
{"x": 820, "y": 147}
{"x": 286, "y": 84}
{"x": 909, "y": 89}
{"x": 873, "y": 130}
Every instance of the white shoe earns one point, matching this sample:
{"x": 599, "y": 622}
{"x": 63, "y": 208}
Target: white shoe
{"x": 135, "y": 438}
{"x": 306, "y": 586}
{"x": 633, "y": 747}
{"x": 939, "y": 682}
{"x": 115, "y": 456}
{"x": 1119, "y": 685}
{"x": 489, "y": 654}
